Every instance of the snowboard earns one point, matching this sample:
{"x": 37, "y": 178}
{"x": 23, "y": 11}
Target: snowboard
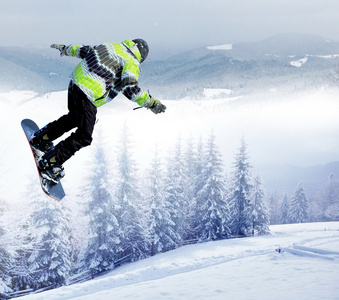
{"x": 50, "y": 188}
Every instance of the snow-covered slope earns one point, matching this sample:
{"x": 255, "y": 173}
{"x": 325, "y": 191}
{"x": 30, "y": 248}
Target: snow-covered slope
{"x": 248, "y": 268}
{"x": 40, "y": 70}
{"x": 277, "y": 127}
{"x": 241, "y": 67}
{"x": 221, "y": 47}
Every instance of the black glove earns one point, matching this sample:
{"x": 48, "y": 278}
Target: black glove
{"x": 155, "y": 106}
{"x": 61, "y": 48}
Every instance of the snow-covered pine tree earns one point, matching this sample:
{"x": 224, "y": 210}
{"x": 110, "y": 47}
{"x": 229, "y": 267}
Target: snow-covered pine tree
{"x": 198, "y": 166}
{"x": 176, "y": 188}
{"x": 299, "y": 206}
{"x": 259, "y": 209}
{"x": 50, "y": 260}
{"x": 284, "y": 211}
{"x": 21, "y": 277}
{"x": 240, "y": 204}
{"x": 133, "y": 238}
{"x": 6, "y": 261}
{"x": 330, "y": 199}
{"x": 273, "y": 202}
{"x": 6, "y": 257}
{"x": 100, "y": 252}
{"x": 191, "y": 164}
{"x": 335, "y": 75}
{"x": 315, "y": 213}
{"x": 161, "y": 227}
{"x": 212, "y": 210}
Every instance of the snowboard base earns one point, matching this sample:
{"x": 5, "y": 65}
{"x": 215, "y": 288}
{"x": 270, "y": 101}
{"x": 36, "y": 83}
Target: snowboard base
{"x": 51, "y": 189}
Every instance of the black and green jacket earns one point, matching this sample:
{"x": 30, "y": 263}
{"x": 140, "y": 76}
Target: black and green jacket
{"x": 107, "y": 69}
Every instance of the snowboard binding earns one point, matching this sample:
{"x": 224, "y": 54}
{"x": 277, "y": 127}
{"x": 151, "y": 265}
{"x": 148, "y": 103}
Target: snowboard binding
{"x": 40, "y": 140}
{"x": 49, "y": 168}
{"x": 52, "y": 174}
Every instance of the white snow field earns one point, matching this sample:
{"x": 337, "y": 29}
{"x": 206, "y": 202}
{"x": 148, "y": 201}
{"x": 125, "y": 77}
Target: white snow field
{"x": 221, "y": 47}
{"x": 247, "y": 268}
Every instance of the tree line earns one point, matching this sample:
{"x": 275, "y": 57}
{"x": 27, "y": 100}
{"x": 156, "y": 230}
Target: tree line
{"x": 184, "y": 197}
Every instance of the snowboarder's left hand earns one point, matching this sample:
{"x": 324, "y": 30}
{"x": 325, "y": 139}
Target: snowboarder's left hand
{"x": 156, "y": 106}
{"x": 61, "y": 48}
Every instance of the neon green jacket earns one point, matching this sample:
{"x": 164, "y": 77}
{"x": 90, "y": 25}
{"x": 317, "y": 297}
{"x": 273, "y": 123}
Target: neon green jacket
{"x": 107, "y": 69}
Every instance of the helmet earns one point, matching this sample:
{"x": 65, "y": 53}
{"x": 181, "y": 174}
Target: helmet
{"x": 143, "y": 48}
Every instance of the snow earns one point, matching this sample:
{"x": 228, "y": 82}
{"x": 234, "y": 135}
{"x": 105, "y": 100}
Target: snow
{"x": 212, "y": 93}
{"x": 221, "y": 47}
{"x": 298, "y": 63}
{"x": 247, "y": 268}
{"x": 308, "y": 121}
{"x": 242, "y": 268}
{"x": 330, "y": 56}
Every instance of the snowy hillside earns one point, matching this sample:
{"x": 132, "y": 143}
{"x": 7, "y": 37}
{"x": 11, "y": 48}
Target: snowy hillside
{"x": 285, "y": 44}
{"x": 33, "y": 69}
{"x": 292, "y": 61}
{"x": 248, "y": 268}
{"x": 246, "y": 67}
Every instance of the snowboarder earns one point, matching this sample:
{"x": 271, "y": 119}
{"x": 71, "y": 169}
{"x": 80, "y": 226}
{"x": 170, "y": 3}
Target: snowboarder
{"x": 104, "y": 71}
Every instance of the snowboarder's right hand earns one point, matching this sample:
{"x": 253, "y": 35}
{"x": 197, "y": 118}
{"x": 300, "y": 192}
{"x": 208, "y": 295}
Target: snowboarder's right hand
{"x": 61, "y": 48}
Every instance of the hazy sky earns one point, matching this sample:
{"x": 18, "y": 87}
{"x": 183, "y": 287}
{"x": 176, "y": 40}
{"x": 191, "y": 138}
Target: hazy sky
{"x": 174, "y": 25}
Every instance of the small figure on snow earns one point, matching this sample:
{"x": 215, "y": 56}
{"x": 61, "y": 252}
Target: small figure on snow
{"x": 104, "y": 71}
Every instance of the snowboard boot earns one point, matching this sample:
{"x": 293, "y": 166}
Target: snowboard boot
{"x": 41, "y": 141}
{"x": 49, "y": 168}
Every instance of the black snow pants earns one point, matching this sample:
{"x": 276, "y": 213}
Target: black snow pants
{"x": 81, "y": 115}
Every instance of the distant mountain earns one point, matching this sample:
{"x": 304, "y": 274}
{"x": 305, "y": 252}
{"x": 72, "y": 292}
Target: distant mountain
{"x": 293, "y": 61}
{"x": 285, "y": 178}
{"x": 281, "y": 45}
{"x": 33, "y": 69}
{"x": 286, "y": 45}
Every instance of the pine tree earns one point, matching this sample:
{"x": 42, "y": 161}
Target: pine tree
{"x": 259, "y": 209}
{"x": 176, "y": 188}
{"x": 273, "y": 200}
{"x": 330, "y": 199}
{"x": 240, "y": 204}
{"x": 133, "y": 238}
{"x": 100, "y": 254}
{"x": 161, "y": 226}
{"x": 198, "y": 165}
{"x": 22, "y": 278}
{"x": 299, "y": 206}
{"x": 50, "y": 260}
{"x": 212, "y": 209}
{"x": 6, "y": 261}
{"x": 284, "y": 211}
{"x": 6, "y": 257}
{"x": 315, "y": 213}
{"x": 190, "y": 174}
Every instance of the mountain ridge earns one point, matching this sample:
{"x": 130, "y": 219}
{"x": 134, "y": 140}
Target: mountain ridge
{"x": 293, "y": 61}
